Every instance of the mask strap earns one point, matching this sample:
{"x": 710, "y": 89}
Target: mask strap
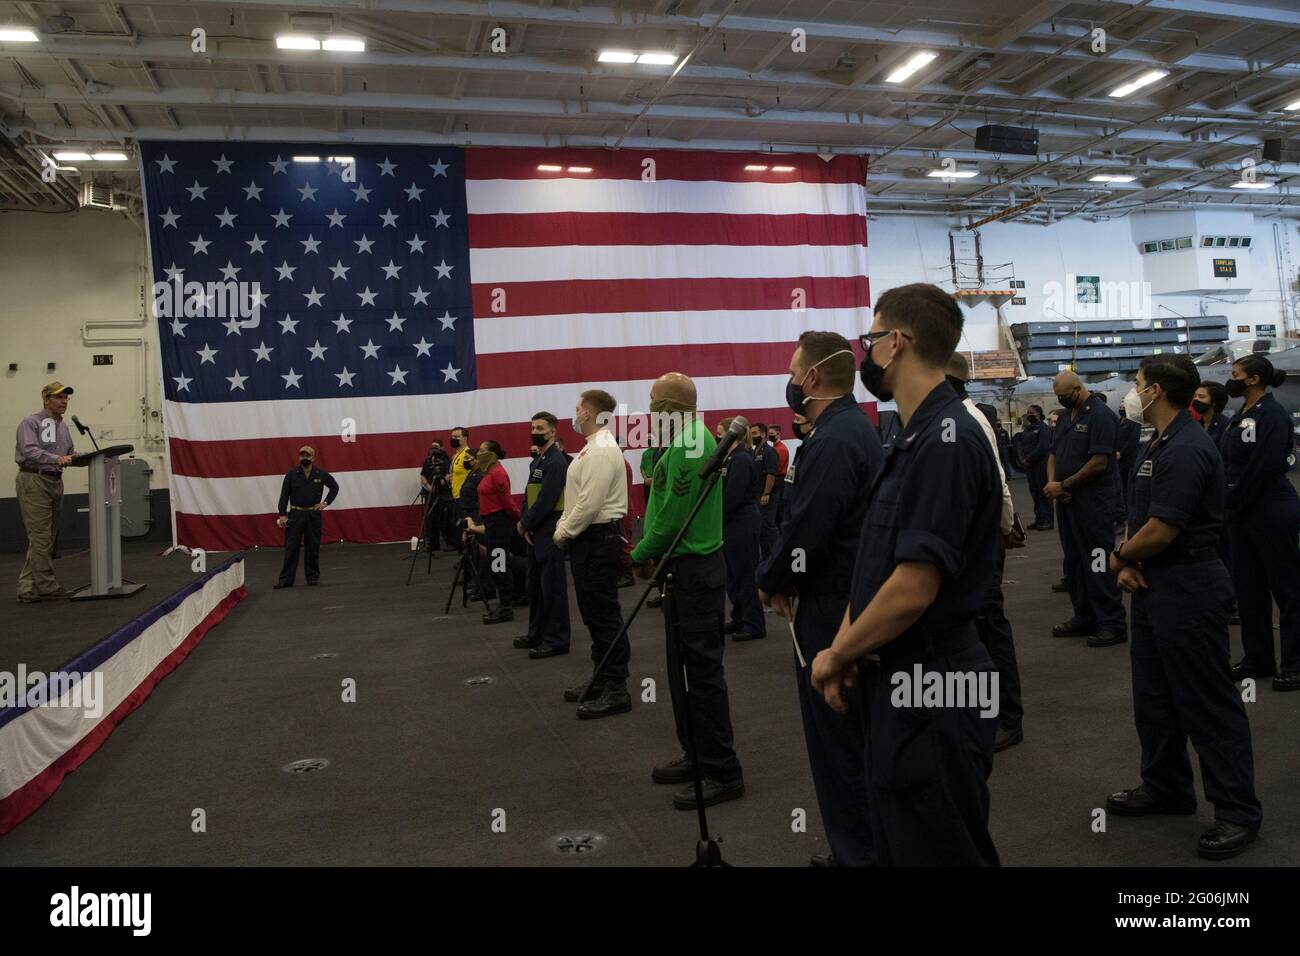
{"x": 824, "y": 398}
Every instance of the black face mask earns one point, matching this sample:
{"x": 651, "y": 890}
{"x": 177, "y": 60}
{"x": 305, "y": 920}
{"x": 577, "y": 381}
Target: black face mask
{"x": 305, "y": 462}
{"x": 873, "y": 377}
{"x": 958, "y": 386}
{"x": 1235, "y": 387}
{"x": 800, "y": 431}
{"x": 1067, "y": 401}
{"x": 539, "y": 440}
{"x": 756, "y": 442}
{"x": 534, "y": 453}
{"x": 1201, "y": 407}
{"x": 455, "y": 443}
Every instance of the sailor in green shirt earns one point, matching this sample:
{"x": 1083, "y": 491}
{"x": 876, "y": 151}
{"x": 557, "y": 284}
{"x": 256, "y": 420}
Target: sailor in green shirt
{"x": 699, "y": 592}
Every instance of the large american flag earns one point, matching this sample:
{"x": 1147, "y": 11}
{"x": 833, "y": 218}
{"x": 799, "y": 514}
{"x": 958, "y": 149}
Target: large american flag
{"x": 403, "y": 291}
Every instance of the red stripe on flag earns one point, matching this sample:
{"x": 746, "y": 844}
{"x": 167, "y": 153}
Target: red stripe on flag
{"x": 257, "y": 457}
{"x": 519, "y": 230}
{"x": 542, "y": 367}
{"x": 236, "y": 532}
{"x": 679, "y": 164}
{"x": 579, "y": 296}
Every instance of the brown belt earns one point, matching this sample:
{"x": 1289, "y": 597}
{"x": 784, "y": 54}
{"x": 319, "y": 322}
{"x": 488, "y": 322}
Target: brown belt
{"x": 37, "y": 470}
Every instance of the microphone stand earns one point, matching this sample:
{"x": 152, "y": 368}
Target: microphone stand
{"x": 707, "y": 850}
{"x": 86, "y": 431}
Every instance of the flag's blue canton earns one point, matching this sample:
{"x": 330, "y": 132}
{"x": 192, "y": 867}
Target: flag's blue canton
{"x": 365, "y": 283}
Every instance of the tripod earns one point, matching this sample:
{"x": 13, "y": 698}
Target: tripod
{"x": 707, "y": 850}
{"x": 430, "y": 502}
{"x": 466, "y": 568}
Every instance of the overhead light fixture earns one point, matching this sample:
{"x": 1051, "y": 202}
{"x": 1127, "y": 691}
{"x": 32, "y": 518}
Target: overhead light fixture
{"x": 755, "y": 168}
{"x": 110, "y": 157}
{"x": 1292, "y": 106}
{"x": 953, "y": 173}
{"x": 344, "y": 44}
{"x": 1112, "y": 178}
{"x": 782, "y": 169}
{"x": 616, "y": 56}
{"x": 579, "y": 169}
{"x": 18, "y": 35}
{"x": 549, "y": 168}
{"x": 293, "y": 42}
{"x": 1257, "y": 184}
{"x": 72, "y": 157}
{"x": 657, "y": 59}
{"x": 914, "y": 63}
{"x": 342, "y": 159}
{"x": 306, "y": 159}
{"x": 1146, "y": 79}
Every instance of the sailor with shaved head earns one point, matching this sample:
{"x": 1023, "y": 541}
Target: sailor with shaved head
{"x": 1081, "y": 479}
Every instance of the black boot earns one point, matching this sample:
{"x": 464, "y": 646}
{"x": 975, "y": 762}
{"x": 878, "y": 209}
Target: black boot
{"x": 613, "y": 700}
{"x": 500, "y": 614}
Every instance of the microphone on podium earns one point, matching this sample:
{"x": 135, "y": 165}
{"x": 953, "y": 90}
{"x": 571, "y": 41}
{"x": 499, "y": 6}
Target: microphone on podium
{"x": 85, "y": 431}
{"x": 738, "y": 429}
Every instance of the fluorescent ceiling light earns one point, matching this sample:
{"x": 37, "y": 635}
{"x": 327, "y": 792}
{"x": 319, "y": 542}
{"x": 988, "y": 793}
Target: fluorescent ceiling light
{"x": 1111, "y": 178}
{"x": 1292, "y": 106}
{"x": 549, "y": 168}
{"x": 342, "y": 159}
{"x": 1258, "y": 184}
{"x": 782, "y": 169}
{"x": 1146, "y": 79}
{"x": 306, "y": 159}
{"x": 755, "y": 168}
{"x": 110, "y": 157}
{"x": 345, "y": 44}
{"x": 579, "y": 169}
{"x": 72, "y": 157}
{"x": 953, "y": 173}
{"x": 616, "y": 56}
{"x": 914, "y": 63}
{"x": 18, "y": 35}
{"x": 657, "y": 59}
{"x": 290, "y": 42}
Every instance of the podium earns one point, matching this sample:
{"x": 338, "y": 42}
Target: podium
{"x": 105, "y": 525}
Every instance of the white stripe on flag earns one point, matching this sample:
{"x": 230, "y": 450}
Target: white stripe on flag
{"x": 665, "y": 195}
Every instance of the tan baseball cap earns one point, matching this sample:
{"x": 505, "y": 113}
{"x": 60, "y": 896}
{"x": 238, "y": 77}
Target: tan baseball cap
{"x": 55, "y": 388}
{"x": 308, "y": 449}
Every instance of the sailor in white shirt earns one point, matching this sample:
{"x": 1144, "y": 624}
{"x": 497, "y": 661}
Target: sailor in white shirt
{"x": 991, "y": 622}
{"x": 591, "y": 529}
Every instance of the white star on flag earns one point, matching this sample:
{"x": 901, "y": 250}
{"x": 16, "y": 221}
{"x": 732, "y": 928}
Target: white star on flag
{"x": 226, "y": 218}
{"x": 345, "y": 377}
{"x": 229, "y": 271}
{"x": 232, "y": 326}
{"x": 398, "y": 374}
{"x": 367, "y": 297}
{"x": 443, "y": 270}
{"x": 390, "y": 219}
{"x": 308, "y": 192}
{"x": 178, "y": 327}
{"x": 441, "y": 219}
{"x": 439, "y": 168}
{"x": 236, "y": 381}
{"x": 391, "y": 270}
{"x": 253, "y": 191}
{"x": 361, "y": 192}
{"x": 196, "y": 191}
{"x": 340, "y": 270}
{"x": 413, "y": 192}
{"x": 282, "y": 218}
{"x": 166, "y": 165}
{"x": 278, "y": 165}
{"x": 336, "y": 218}
{"x": 371, "y": 349}
{"x": 222, "y": 164}
{"x": 313, "y": 297}
{"x": 422, "y": 347}
{"x": 416, "y": 244}
{"x": 255, "y": 244}
{"x": 363, "y": 244}
{"x": 286, "y": 271}
{"x": 182, "y": 383}
{"x": 343, "y": 325}
{"x": 207, "y": 354}
{"x": 200, "y": 246}
{"x": 291, "y": 380}
{"x": 448, "y": 320}
{"x": 386, "y": 168}
{"x": 395, "y": 322}
{"x": 317, "y": 351}
{"x": 450, "y": 373}
{"x": 170, "y": 218}
{"x": 420, "y": 296}
{"x": 263, "y": 352}
{"x": 309, "y": 244}
{"x": 288, "y": 325}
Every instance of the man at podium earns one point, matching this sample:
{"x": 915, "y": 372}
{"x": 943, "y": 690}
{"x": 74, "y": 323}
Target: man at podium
{"x": 42, "y": 449}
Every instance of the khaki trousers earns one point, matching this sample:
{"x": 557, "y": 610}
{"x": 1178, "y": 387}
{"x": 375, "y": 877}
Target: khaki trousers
{"x": 39, "y": 499}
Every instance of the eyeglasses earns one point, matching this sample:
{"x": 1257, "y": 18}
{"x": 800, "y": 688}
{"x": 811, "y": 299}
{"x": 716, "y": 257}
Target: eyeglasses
{"x": 868, "y": 339}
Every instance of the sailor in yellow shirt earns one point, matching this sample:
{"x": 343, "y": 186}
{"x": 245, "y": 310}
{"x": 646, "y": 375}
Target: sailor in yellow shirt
{"x": 462, "y": 463}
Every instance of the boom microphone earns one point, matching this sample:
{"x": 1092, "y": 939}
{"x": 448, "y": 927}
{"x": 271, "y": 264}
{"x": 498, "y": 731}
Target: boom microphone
{"x": 738, "y": 429}
{"x": 80, "y": 427}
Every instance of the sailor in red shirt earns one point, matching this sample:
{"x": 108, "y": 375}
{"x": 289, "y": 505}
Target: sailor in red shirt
{"x": 499, "y": 514}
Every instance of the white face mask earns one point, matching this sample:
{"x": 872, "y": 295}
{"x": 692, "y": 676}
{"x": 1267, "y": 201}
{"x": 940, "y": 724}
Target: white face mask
{"x": 1142, "y": 409}
{"x": 1133, "y": 405}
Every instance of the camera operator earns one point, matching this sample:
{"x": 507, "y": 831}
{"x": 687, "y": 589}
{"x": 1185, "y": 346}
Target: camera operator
{"x": 434, "y": 492}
